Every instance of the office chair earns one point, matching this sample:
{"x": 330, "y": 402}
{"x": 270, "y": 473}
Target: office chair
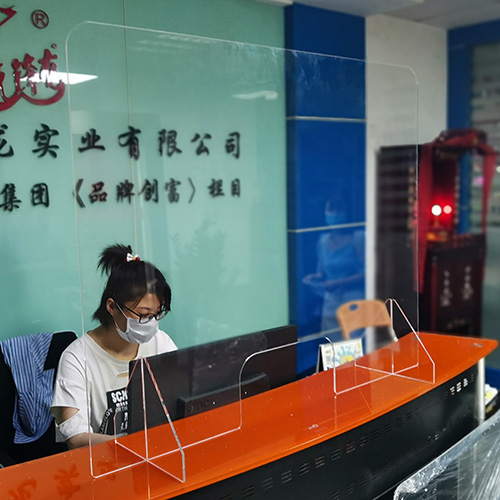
{"x": 10, "y": 452}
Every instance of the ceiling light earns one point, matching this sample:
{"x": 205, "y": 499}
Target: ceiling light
{"x": 55, "y": 77}
{"x": 268, "y": 95}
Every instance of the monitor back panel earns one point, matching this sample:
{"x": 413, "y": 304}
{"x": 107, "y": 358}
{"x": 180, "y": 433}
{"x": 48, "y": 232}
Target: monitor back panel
{"x": 203, "y": 377}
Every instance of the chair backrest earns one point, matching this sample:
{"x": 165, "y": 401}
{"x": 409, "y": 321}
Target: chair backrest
{"x": 11, "y": 453}
{"x": 359, "y": 314}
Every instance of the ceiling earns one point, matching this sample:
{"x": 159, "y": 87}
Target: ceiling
{"x": 445, "y": 14}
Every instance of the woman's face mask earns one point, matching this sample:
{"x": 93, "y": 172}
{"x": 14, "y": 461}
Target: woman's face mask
{"x": 335, "y": 218}
{"x": 138, "y": 333}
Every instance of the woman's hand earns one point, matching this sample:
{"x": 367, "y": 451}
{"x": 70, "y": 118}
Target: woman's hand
{"x": 313, "y": 279}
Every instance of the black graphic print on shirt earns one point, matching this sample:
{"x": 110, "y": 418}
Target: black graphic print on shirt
{"x": 116, "y": 414}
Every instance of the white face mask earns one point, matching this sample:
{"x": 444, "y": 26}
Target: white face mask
{"x": 138, "y": 333}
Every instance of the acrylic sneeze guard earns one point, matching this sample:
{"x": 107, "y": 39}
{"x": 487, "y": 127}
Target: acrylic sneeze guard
{"x": 192, "y": 151}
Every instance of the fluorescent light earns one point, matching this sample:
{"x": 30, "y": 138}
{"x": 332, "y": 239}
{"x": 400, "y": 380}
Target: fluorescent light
{"x": 55, "y": 77}
{"x": 278, "y": 2}
{"x": 268, "y": 95}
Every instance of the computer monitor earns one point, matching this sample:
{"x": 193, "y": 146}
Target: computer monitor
{"x": 206, "y": 376}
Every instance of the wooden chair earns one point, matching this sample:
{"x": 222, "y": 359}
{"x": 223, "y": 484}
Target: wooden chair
{"x": 360, "y": 314}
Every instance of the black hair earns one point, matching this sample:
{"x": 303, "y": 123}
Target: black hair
{"x": 129, "y": 281}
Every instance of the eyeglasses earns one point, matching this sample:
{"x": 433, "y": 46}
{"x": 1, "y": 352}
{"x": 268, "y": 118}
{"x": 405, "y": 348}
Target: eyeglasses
{"x": 146, "y": 318}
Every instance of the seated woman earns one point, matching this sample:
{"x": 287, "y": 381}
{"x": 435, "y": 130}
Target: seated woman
{"x": 136, "y": 296}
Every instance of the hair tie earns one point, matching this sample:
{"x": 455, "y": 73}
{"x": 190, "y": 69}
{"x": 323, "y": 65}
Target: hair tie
{"x": 131, "y": 257}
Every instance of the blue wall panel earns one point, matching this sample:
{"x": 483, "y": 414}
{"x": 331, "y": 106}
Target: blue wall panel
{"x": 460, "y": 44}
{"x": 307, "y": 313}
{"x": 326, "y": 158}
{"x": 324, "y": 31}
{"x": 476, "y": 34}
{"x": 326, "y": 147}
{"x": 325, "y": 86}
{"x": 459, "y": 80}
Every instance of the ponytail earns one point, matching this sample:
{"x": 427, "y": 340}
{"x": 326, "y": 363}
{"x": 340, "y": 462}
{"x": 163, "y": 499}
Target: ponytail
{"x": 129, "y": 280}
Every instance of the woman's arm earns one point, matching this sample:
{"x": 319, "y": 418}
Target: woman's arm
{"x": 62, "y": 414}
{"x": 81, "y": 440}
{"x": 332, "y": 285}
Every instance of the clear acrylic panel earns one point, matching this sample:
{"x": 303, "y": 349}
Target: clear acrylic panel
{"x": 393, "y": 207}
{"x": 169, "y": 387}
{"x": 323, "y": 401}
{"x": 181, "y": 147}
{"x": 276, "y": 365}
{"x": 406, "y": 357}
{"x": 186, "y": 122}
{"x": 125, "y": 451}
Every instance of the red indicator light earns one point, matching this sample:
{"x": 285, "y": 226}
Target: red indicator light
{"x": 436, "y": 210}
{"x": 447, "y": 209}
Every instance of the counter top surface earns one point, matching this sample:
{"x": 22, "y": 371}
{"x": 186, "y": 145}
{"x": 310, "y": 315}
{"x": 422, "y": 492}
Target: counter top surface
{"x": 238, "y": 437}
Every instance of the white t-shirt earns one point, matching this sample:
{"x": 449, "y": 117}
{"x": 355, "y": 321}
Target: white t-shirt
{"x": 106, "y": 380}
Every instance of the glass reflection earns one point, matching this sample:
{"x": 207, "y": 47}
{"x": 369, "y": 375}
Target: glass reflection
{"x": 340, "y": 271}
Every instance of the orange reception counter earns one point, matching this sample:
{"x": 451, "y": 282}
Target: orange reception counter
{"x": 354, "y": 432}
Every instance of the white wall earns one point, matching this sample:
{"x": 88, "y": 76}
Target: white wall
{"x": 405, "y": 102}
{"x": 422, "y": 48}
